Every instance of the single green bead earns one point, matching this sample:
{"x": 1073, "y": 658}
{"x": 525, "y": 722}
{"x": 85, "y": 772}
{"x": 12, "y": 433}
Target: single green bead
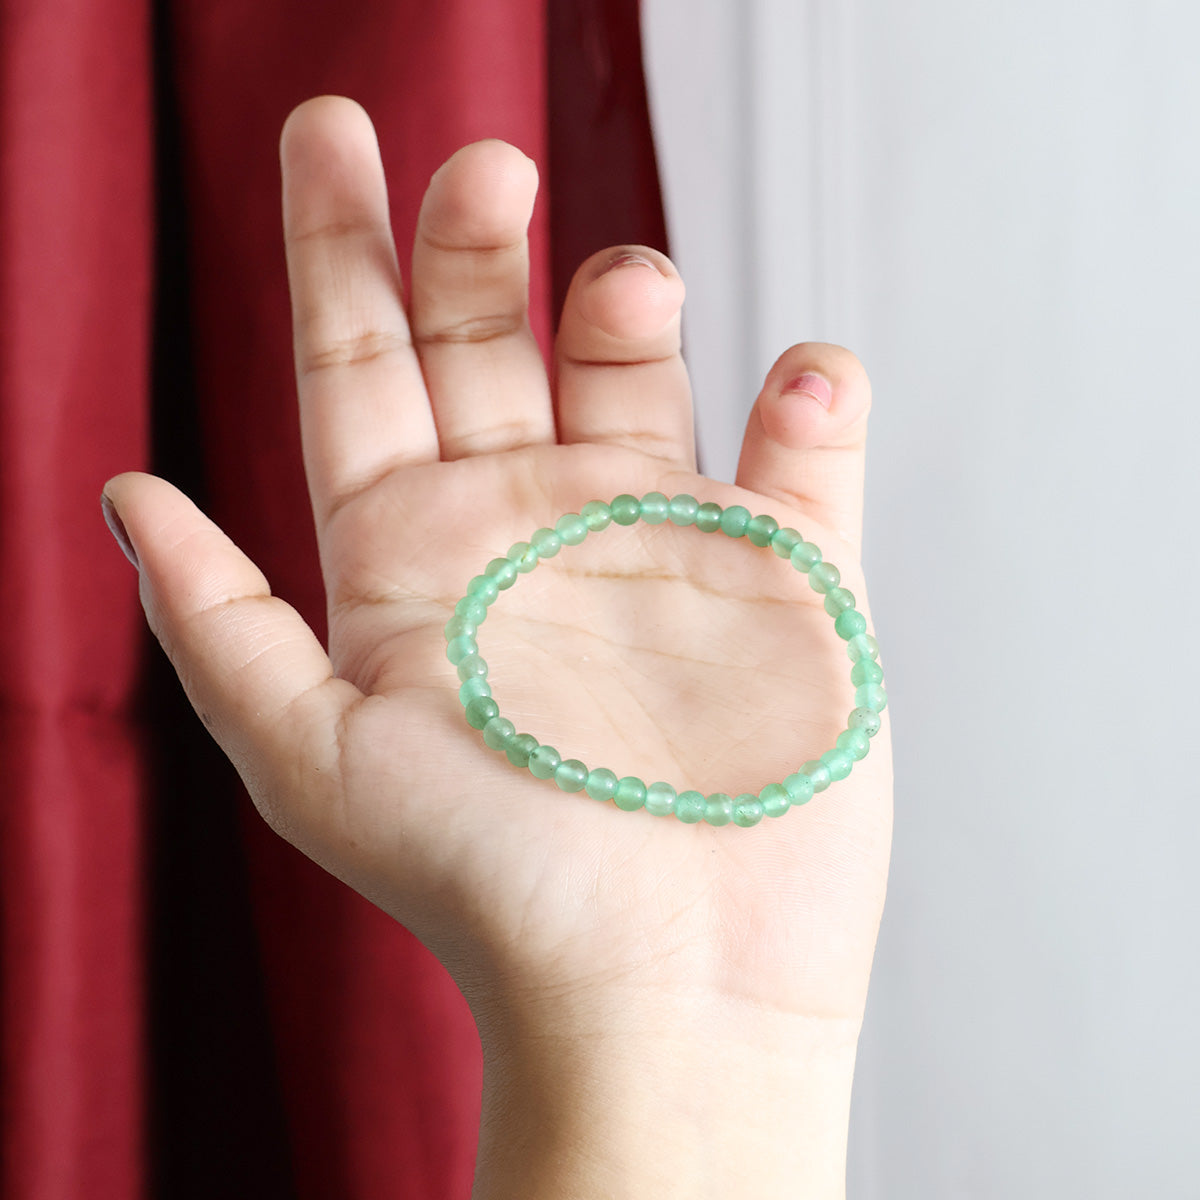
{"x": 458, "y": 648}
{"x": 630, "y": 793}
{"x": 838, "y": 600}
{"x": 718, "y": 809}
{"x": 747, "y": 810}
{"x": 596, "y": 514}
{"x": 862, "y": 646}
{"x": 546, "y": 542}
{"x": 660, "y": 799}
{"x": 784, "y": 541}
{"x": 761, "y": 529}
{"x": 470, "y": 666}
{"x": 734, "y": 520}
{"x": 682, "y": 509}
{"x": 601, "y": 784}
{"x": 850, "y": 624}
{"x": 481, "y": 710}
{"x": 866, "y": 719}
{"x": 458, "y": 626}
{"x": 838, "y": 762}
{"x": 775, "y": 800}
{"x": 818, "y": 772}
{"x": 519, "y": 748}
{"x": 571, "y": 528}
{"x": 805, "y": 556}
{"x": 654, "y": 508}
{"x": 473, "y": 687}
{"x": 689, "y": 807}
{"x": 871, "y": 696}
{"x": 866, "y": 670}
{"x": 473, "y": 610}
{"x": 855, "y": 742}
{"x": 543, "y": 762}
{"x": 570, "y": 775}
{"x": 823, "y": 576}
{"x": 483, "y": 587}
{"x": 497, "y": 732}
{"x": 799, "y": 787}
{"x": 626, "y": 509}
{"x": 523, "y": 556}
{"x": 503, "y": 571}
{"x": 708, "y": 517}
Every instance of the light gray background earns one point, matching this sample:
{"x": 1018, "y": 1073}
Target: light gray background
{"x": 995, "y": 206}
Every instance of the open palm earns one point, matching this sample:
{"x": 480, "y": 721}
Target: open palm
{"x": 434, "y": 441}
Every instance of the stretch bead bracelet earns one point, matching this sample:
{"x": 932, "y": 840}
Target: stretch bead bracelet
{"x": 630, "y": 792}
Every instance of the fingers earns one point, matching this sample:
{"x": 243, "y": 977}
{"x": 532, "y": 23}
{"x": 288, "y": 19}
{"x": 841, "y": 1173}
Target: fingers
{"x": 620, "y": 376}
{"x": 470, "y": 293}
{"x": 253, "y": 670}
{"x": 806, "y": 437}
{"x": 363, "y": 406}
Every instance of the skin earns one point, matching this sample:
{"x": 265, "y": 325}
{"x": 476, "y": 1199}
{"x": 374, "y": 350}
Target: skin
{"x": 656, "y": 1001}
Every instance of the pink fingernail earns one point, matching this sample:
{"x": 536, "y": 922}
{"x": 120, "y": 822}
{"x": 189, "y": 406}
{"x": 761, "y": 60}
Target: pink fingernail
{"x": 628, "y": 260}
{"x": 816, "y": 387}
{"x": 117, "y": 528}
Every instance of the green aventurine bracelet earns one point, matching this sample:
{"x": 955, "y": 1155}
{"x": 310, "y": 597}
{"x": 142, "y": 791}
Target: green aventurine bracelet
{"x": 629, "y": 793}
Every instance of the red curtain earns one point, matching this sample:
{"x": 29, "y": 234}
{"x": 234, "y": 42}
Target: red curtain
{"x": 188, "y": 1006}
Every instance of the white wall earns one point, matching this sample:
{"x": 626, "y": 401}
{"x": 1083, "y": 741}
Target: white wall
{"x": 996, "y": 206}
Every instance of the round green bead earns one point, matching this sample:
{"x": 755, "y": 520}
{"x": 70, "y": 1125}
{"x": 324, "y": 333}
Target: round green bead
{"x": 601, "y": 784}
{"x": 597, "y": 514}
{"x": 708, "y": 517}
{"x": 543, "y": 762}
{"x": 837, "y": 600}
{"x": 761, "y": 529}
{"x": 630, "y": 793}
{"x": 484, "y": 588}
{"x": 838, "y": 762}
{"x": 475, "y": 611}
{"x": 570, "y": 775}
{"x": 799, "y": 787}
{"x": 481, "y": 710}
{"x": 660, "y": 799}
{"x": 473, "y": 687}
{"x": 747, "y": 810}
{"x": 850, "y": 624}
{"x": 458, "y": 648}
{"x": 503, "y": 571}
{"x": 519, "y": 748}
{"x": 523, "y": 556}
{"x": 689, "y": 807}
{"x": 718, "y": 809}
{"x": 805, "y": 556}
{"x": 871, "y": 696}
{"x": 497, "y": 732}
{"x": 654, "y": 508}
{"x": 625, "y": 509}
{"x": 866, "y": 719}
{"x": 866, "y": 670}
{"x": 784, "y": 541}
{"x": 458, "y": 626}
{"x": 571, "y": 528}
{"x": 862, "y": 646}
{"x": 818, "y": 772}
{"x": 734, "y": 520}
{"x": 855, "y": 743}
{"x": 546, "y": 542}
{"x": 823, "y": 576}
{"x": 470, "y": 666}
{"x": 775, "y": 800}
{"x": 682, "y": 509}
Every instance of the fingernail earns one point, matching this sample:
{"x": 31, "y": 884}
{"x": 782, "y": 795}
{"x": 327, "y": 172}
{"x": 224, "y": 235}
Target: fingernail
{"x": 816, "y": 387}
{"x": 117, "y": 528}
{"x": 628, "y": 260}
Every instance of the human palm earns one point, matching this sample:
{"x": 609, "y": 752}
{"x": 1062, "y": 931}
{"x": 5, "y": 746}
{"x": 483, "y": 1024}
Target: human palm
{"x": 433, "y": 441}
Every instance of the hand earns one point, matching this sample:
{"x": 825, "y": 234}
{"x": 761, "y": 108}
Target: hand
{"x": 433, "y": 441}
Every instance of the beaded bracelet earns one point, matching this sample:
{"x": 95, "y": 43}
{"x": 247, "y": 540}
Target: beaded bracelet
{"x": 630, "y": 792}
